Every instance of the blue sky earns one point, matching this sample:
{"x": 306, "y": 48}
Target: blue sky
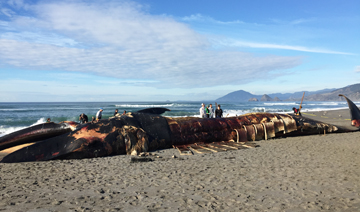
{"x": 156, "y": 50}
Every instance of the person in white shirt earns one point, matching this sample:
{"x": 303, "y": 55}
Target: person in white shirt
{"x": 202, "y": 111}
{"x": 99, "y": 114}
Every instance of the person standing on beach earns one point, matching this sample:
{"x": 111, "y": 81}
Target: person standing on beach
{"x": 116, "y": 112}
{"x": 211, "y": 111}
{"x": 207, "y": 113}
{"x": 218, "y": 112}
{"x": 202, "y": 111}
{"x": 99, "y": 114}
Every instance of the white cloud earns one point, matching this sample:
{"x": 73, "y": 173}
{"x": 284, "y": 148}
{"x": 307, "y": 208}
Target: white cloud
{"x": 201, "y": 18}
{"x": 235, "y": 43}
{"x": 357, "y": 69}
{"x": 38, "y": 37}
{"x": 293, "y": 22}
{"x": 6, "y": 12}
{"x": 263, "y": 35}
{"x": 122, "y": 41}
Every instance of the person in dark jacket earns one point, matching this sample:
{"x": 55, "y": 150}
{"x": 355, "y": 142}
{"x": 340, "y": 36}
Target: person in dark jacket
{"x": 296, "y": 111}
{"x": 218, "y": 112}
{"x": 83, "y": 118}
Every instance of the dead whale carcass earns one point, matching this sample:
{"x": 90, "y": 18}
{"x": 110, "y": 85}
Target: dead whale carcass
{"x": 141, "y": 132}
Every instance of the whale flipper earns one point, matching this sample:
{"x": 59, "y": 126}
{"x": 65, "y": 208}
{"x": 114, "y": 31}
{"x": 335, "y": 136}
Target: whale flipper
{"x": 154, "y": 110}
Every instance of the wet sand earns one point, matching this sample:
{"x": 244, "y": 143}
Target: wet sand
{"x": 312, "y": 173}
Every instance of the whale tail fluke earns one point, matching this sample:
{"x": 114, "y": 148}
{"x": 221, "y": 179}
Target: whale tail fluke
{"x": 354, "y": 112}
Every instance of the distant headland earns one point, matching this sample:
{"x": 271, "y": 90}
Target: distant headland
{"x": 351, "y": 91}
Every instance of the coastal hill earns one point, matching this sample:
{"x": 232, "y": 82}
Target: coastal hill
{"x": 351, "y": 91}
{"x": 238, "y": 96}
{"x": 266, "y": 98}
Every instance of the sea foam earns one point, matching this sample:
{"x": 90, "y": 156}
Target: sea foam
{"x": 7, "y": 130}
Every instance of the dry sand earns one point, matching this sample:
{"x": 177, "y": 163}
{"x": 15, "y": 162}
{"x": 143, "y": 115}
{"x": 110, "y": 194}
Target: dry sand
{"x": 312, "y": 173}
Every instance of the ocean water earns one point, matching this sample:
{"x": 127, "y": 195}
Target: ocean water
{"x": 15, "y": 116}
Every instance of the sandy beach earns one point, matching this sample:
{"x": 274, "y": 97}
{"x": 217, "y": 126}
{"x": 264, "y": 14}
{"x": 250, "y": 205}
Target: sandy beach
{"x": 312, "y": 173}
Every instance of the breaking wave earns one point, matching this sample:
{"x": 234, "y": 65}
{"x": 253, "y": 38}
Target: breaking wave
{"x": 7, "y": 130}
{"x": 279, "y": 103}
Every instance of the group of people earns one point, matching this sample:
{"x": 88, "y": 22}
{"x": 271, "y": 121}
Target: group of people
{"x": 205, "y": 112}
{"x": 117, "y": 112}
{"x": 208, "y": 112}
{"x": 84, "y": 119}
